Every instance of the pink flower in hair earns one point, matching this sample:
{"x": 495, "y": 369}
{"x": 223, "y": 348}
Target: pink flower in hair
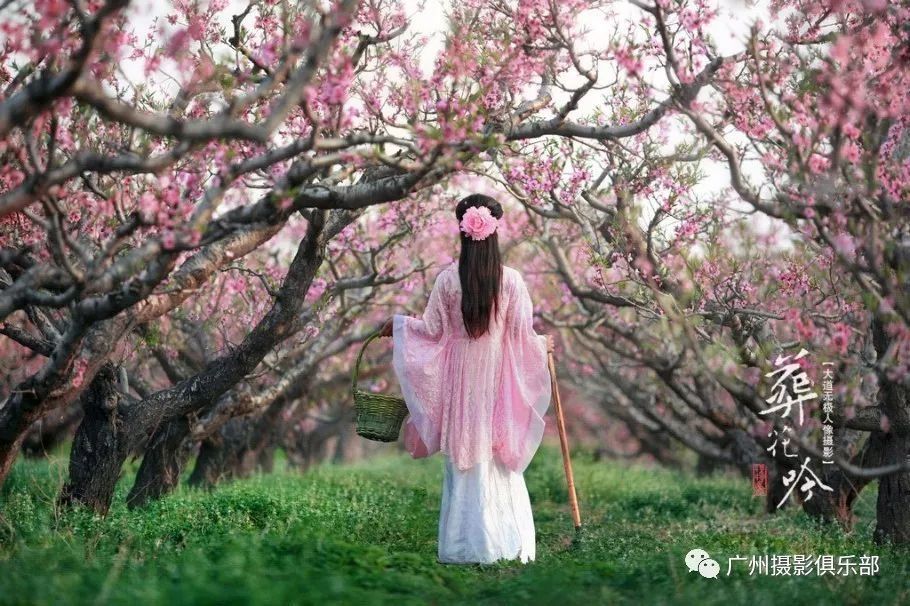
{"x": 478, "y": 223}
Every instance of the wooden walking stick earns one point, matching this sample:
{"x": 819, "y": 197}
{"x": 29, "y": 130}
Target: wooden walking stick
{"x": 564, "y": 443}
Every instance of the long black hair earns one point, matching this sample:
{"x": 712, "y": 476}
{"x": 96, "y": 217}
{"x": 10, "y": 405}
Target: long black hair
{"x": 480, "y": 269}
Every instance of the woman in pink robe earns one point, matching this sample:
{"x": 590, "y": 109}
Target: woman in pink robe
{"x": 475, "y": 379}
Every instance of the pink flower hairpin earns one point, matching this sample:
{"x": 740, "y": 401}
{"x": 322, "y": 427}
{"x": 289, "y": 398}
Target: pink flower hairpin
{"x": 478, "y": 223}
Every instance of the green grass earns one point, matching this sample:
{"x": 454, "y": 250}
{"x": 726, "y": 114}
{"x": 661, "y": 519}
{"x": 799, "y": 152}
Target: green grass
{"x": 366, "y": 534}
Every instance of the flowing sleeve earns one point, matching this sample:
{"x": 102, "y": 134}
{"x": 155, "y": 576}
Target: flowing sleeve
{"x": 524, "y": 392}
{"x": 418, "y": 351}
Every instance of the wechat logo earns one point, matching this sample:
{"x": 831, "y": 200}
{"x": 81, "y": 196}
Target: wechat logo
{"x": 699, "y": 561}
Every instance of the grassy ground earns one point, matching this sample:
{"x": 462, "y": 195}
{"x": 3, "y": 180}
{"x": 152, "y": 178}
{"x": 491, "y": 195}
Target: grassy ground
{"x": 366, "y": 534}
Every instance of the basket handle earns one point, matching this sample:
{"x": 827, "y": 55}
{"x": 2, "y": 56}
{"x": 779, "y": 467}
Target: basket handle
{"x": 359, "y": 358}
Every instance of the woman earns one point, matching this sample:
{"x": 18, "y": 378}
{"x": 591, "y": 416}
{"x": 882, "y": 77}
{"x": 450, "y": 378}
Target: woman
{"x": 474, "y": 376}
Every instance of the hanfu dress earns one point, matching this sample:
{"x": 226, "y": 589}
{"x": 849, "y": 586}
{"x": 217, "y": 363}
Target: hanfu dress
{"x": 480, "y": 402}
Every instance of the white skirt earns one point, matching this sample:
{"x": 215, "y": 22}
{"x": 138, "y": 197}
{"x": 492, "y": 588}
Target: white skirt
{"x": 485, "y": 515}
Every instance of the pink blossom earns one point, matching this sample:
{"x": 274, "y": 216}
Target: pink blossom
{"x": 79, "y": 373}
{"x": 478, "y": 223}
{"x": 628, "y": 61}
{"x": 875, "y": 6}
{"x": 885, "y": 423}
{"x": 841, "y": 338}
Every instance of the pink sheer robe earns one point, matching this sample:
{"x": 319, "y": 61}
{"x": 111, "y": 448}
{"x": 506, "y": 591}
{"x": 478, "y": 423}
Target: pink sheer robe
{"x": 475, "y": 400}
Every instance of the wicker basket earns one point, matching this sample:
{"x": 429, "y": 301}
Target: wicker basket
{"x": 379, "y": 415}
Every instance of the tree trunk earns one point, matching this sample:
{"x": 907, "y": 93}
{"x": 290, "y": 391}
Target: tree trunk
{"x": 261, "y": 438}
{"x": 705, "y": 465}
{"x": 265, "y": 462}
{"x": 893, "y": 507}
{"x": 51, "y": 431}
{"x": 326, "y": 441}
{"x": 99, "y": 448}
{"x": 105, "y": 438}
{"x": 745, "y": 451}
{"x": 654, "y": 443}
{"x": 241, "y": 447}
{"x": 208, "y": 469}
{"x": 838, "y": 504}
{"x": 220, "y": 455}
{"x": 17, "y": 414}
{"x": 776, "y": 488}
{"x": 162, "y": 463}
